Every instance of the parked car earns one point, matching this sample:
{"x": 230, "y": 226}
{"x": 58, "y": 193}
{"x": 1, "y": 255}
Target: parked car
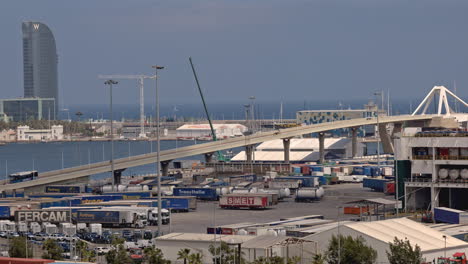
{"x": 3, "y": 234}
{"x": 102, "y": 250}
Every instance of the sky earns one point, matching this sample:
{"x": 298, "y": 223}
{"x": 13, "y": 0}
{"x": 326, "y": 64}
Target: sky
{"x": 275, "y": 50}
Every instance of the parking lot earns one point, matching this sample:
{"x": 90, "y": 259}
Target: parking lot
{"x": 208, "y": 213}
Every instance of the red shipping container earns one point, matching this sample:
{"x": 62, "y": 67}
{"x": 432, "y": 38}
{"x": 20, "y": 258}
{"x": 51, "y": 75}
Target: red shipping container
{"x": 227, "y": 231}
{"x": 305, "y": 170}
{"x": 389, "y": 188}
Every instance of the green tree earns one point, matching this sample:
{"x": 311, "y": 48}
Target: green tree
{"x": 401, "y": 252}
{"x": 269, "y": 260}
{"x": 154, "y": 255}
{"x": 343, "y": 249}
{"x": 84, "y": 252}
{"x": 52, "y": 250}
{"x": 184, "y": 253}
{"x": 195, "y": 258}
{"x": 318, "y": 259}
{"x": 118, "y": 255}
{"x": 222, "y": 254}
{"x": 17, "y": 248}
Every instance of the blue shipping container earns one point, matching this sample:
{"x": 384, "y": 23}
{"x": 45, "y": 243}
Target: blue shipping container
{"x": 374, "y": 184}
{"x": 447, "y": 215}
{"x": 316, "y": 168}
{"x": 367, "y": 171}
{"x": 358, "y": 171}
{"x": 4, "y": 212}
{"x": 296, "y": 169}
{"x": 130, "y": 195}
{"x": 200, "y": 193}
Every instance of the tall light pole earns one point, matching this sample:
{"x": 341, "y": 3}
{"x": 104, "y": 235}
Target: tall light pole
{"x": 158, "y": 139}
{"x": 110, "y": 83}
{"x": 378, "y": 130}
{"x": 445, "y": 247}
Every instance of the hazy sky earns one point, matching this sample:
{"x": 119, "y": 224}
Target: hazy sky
{"x": 275, "y": 50}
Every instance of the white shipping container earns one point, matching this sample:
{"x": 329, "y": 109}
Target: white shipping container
{"x": 326, "y": 171}
{"x": 345, "y": 170}
{"x": 35, "y": 227}
{"x": 81, "y": 226}
{"x": 284, "y": 184}
{"x": 51, "y": 229}
{"x": 22, "y": 227}
{"x": 317, "y": 173}
{"x": 70, "y": 230}
{"x": 96, "y": 228}
{"x": 387, "y": 171}
{"x": 463, "y": 218}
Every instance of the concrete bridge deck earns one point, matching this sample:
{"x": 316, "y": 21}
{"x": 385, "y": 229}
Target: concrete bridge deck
{"x": 210, "y": 147}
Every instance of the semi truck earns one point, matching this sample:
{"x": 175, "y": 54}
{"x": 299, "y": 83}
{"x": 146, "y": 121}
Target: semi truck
{"x": 110, "y": 218}
{"x": 250, "y": 201}
{"x": 148, "y": 214}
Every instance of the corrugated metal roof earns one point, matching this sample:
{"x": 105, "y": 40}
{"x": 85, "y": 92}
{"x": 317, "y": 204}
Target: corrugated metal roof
{"x": 269, "y": 241}
{"x": 279, "y": 156}
{"x": 379, "y": 201}
{"x": 203, "y": 237}
{"x": 311, "y": 144}
{"x": 425, "y": 237}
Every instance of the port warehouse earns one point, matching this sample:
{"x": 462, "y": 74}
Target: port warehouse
{"x": 433, "y": 166}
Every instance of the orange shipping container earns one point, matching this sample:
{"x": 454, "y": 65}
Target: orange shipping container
{"x": 354, "y": 210}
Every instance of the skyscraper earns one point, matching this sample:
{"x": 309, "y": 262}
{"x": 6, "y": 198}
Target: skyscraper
{"x": 39, "y": 62}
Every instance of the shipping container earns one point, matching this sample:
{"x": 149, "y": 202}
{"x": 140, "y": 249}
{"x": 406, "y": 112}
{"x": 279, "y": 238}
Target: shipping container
{"x": 5, "y": 212}
{"x": 130, "y": 195}
{"x": 315, "y": 168}
{"x": 358, "y": 170}
{"x": 200, "y": 193}
{"x": 305, "y": 170}
{"x": 296, "y": 170}
{"x": 355, "y": 210}
{"x": 374, "y": 184}
{"x": 389, "y": 188}
{"x": 451, "y": 216}
{"x": 277, "y": 183}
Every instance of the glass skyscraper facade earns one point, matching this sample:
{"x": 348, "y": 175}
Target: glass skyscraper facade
{"x": 24, "y": 109}
{"x": 39, "y": 62}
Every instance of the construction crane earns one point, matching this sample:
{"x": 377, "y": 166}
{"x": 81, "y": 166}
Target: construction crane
{"x": 221, "y": 157}
{"x": 141, "y": 79}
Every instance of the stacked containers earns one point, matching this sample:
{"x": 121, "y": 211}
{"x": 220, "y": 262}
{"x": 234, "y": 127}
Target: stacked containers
{"x": 367, "y": 171}
{"x": 327, "y": 171}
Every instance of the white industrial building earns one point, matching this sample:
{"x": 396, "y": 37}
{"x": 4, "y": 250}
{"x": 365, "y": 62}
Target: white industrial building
{"x": 171, "y": 243}
{"x": 252, "y": 247}
{"x": 379, "y": 234}
{"x": 203, "y": 131}
{"x": 303, "y": 150}
{"x": 24, "y": 133}
{"x": 435, "y": 168}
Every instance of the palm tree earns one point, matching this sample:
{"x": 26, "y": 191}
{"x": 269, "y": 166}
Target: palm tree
{"x": 318, "y": 259}
{"x": 183, "y": 254}
{"x": 196, "y": 258}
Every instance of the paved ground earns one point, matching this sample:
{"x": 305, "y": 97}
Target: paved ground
{"x": 208, "y": 213}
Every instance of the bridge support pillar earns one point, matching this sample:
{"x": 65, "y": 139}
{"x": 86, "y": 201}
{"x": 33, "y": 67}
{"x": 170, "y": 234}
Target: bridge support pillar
{"x": 354, "y": 131}
{"x": 321, "y": 137}
{"x": 118, "y": 176}
{"x": 165, "y": 167}
{"x": 209, "y": 157}
{"x": 286, "y": 146}
{"x": 385, "y": 139}
{"x": 249, "y": 153}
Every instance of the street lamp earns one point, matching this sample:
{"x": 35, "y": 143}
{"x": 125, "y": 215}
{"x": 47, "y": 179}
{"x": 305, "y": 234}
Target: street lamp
{"x": 110, "y": 83}
{"x": 445, "y": 247}
{"x": 158, "y": 157}
{"x": 378, "y": 130}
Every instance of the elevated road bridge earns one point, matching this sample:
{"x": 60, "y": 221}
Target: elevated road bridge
{"x": 208, "y": 149}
